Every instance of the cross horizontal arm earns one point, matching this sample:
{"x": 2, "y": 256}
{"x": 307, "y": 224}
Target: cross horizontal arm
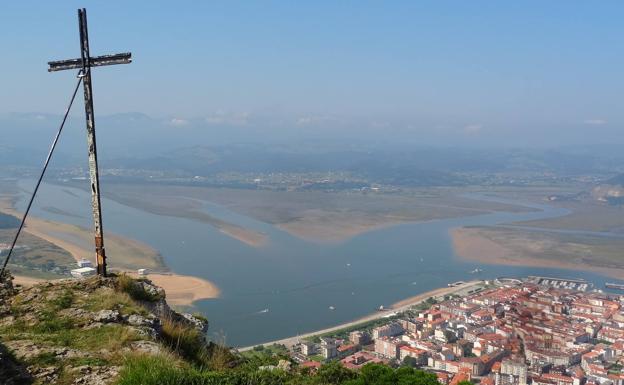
{"x": 104, "y": 60}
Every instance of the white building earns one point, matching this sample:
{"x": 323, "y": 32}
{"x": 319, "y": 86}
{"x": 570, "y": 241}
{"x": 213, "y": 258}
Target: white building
{"x": 329, "y": 349}
{"x": 83, "y": 272}
{"x": 390, "y": 330}
{"x": 512, "y": 372}
{"x": 308, "y": 348}
{"x": 84, "y": 263}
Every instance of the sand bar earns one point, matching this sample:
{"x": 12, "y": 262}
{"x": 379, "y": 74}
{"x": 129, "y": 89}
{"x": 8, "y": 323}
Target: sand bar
{"x": 181, "y": 289}
{"x": 471, "y": 245}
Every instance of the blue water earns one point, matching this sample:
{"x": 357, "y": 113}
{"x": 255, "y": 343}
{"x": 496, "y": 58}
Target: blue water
{"x": 295, "y": 279}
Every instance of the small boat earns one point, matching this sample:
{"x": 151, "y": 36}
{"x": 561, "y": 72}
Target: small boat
{"x": 348, "y": 264}
{"x": 475, "y": 271}
{"x": 332, "y": 308}
{"x": 381, "y": 308}
{"x": 263, "y": 311}
{"x": 611, "y": 285}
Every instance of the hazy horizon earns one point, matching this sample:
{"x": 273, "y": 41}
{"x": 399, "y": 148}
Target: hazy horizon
{"x": 445, "y": 74}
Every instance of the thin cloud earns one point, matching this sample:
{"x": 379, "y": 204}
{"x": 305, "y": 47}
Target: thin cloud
{"x": 595, "y": 122}
{"x": 313, "y": 119}
{"x": 178, "y": 122}
{"x": 473, "y": 128}
{"x": 232, "y": 119}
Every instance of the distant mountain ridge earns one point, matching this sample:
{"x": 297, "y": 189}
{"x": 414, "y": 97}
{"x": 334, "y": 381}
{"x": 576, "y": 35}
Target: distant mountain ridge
{"x": 616, "y": 180}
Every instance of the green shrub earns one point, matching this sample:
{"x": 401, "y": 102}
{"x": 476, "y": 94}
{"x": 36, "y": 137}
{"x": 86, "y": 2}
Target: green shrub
{"x": 200, "y": 317}
{"x": 156, "y": 370}
{"x": 134, "y": 289}
{"x": 44, "y": 359}
{"x": 183, "y": 339}
{"x": 51, "y": 323}
{"x": 162, "y": 370}
{"x": 64, "y": 300}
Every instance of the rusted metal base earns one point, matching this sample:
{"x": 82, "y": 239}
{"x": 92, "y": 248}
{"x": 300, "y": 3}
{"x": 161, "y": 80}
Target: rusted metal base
{"x": 100, "y": 256}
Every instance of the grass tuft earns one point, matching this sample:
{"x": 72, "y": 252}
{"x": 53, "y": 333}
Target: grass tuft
{"x": 134, "y": 289}
{"x": 44, "y": 359}
{"x": 183, "y": 339}
{"x": 64, "y": 300}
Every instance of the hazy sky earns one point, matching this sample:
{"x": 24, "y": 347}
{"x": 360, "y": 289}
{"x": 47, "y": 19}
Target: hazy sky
{"x": 458, "y": 67}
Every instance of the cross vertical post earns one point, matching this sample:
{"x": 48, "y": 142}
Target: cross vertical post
{"x": 100, "y": 253}
{"x": 85, "y": 63}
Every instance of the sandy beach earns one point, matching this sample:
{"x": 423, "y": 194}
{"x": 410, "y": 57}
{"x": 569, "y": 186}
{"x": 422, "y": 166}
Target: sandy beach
{"x": 26, "y": 281}
{"x": 472, "y": 245}
{"x": 123, "y": 254}
{"x": 183, "y": 290}
{"x": 396, "y": 308}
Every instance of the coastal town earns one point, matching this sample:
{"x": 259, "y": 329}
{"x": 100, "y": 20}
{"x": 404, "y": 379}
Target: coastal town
{"x": 538, "y": 330}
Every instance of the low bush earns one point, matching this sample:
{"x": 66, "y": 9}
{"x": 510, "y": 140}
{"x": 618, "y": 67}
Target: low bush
{"x": 183, "y": 339}
{"x": 134, "y": 289}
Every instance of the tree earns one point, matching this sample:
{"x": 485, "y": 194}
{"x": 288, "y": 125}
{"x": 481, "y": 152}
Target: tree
{"x": 410, "y": 361}
{"x": 377, "y": 374}
{"x": 334, "y": 373}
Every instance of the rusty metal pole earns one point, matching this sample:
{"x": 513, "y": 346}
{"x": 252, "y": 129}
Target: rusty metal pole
{"x": 100, "y": 254}
{"x": 85, "y": 63}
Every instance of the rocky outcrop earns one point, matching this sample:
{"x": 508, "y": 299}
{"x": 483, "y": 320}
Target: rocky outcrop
{"x": 81, "y": 329}
{"x": 6, "y": 292}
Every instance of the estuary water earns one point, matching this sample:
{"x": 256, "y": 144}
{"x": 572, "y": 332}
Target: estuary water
{"x": 288, "y": 286}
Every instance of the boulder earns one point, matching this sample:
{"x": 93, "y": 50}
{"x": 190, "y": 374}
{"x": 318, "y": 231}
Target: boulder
{"x": 106, "y": 316}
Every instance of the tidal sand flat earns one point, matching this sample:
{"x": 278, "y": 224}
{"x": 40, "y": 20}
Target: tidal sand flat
{"x": 309, "y": 215}
{"x": 123, "y": 253}
{"x": 534, "y": 248}
{"x": 586, "y": 215}
{"x": 183, "y": 207}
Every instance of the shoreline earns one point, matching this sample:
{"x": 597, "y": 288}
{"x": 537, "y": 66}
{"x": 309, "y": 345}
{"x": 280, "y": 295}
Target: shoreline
{"x": 182, "y": 290}
{"x": 469, "y": 245}
{"x": 397, "y": 307}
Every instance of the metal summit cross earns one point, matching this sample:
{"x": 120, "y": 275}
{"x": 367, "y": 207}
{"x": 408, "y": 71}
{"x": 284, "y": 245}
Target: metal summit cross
{"x": 84, "y": 63}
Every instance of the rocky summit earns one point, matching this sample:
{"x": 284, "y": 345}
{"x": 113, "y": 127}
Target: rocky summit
{"x": 84, "y": 331}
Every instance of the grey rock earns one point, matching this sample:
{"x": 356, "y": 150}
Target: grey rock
{"x": 148, "y": 347}
{"x": 95, "y": 325}
{"x": 98, "y": 375}
{"x": 199, "y": 324}
{"x": 138, "y": 320}
{"x": 47, "y": 375}
{"x": 151, "y": 289}
{"x": 106, "y": 316}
